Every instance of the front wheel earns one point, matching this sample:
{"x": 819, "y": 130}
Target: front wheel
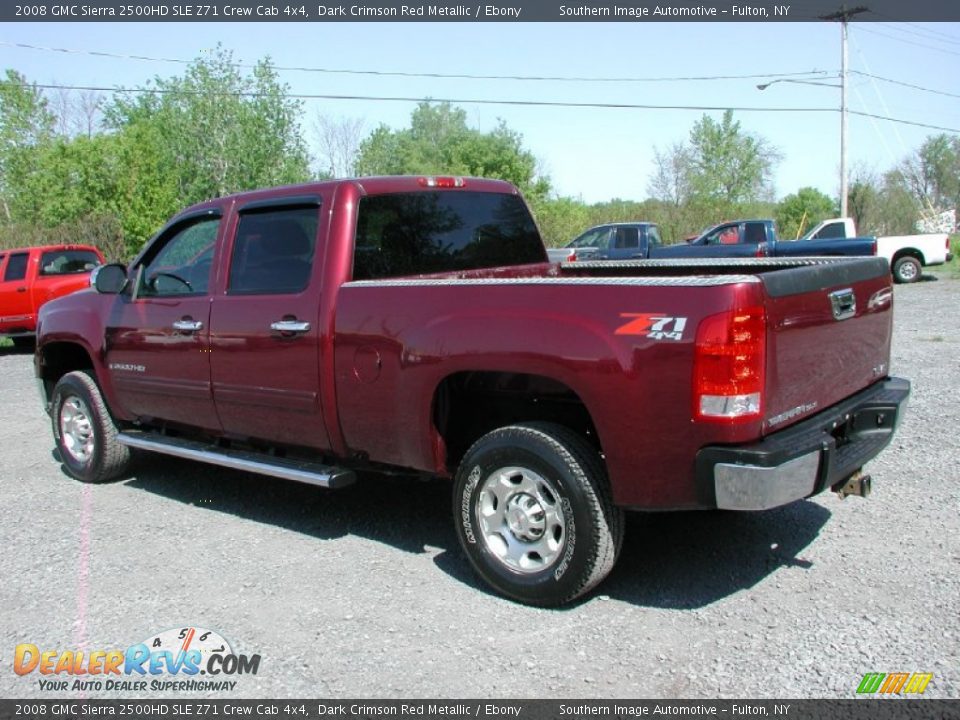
{"x": 85, "y": 433}
{"x": 533, "y": 512}
{"x": 906, "y": 269}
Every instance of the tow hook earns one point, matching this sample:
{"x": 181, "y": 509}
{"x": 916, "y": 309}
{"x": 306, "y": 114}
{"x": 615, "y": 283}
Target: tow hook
{"x": 856, "y": 484}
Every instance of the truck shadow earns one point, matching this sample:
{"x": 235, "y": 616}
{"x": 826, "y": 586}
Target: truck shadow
{"x": 676, "y": 560}
{"x": 691, "y": 559}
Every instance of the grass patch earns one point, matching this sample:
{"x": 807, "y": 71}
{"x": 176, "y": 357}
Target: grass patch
{"x": 5, "y": 342}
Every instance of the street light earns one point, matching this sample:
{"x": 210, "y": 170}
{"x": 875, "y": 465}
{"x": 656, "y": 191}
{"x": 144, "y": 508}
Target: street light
{"x": 764, "y": 86}
{"x": 843, "y": 123}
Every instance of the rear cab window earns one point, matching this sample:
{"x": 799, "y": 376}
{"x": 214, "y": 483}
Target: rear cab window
{"x": 429, "y": 232}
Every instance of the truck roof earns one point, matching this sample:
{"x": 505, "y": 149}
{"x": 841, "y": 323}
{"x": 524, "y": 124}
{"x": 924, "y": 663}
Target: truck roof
{"x": 375, "y": 185}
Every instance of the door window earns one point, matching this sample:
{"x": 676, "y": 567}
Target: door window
{"x": 274, "y": 250}
{"x": 598, "y": 238}
{"x": 626, "y": 238}
{"x": 181, "y": 265}
{"x": 16, "y": 267}
{"x": 653, "y": 236}
{"x": 68, "y": 262}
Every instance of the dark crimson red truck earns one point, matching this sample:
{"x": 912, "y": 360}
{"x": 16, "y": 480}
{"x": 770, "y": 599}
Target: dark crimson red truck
{"x": 415, "y": 324}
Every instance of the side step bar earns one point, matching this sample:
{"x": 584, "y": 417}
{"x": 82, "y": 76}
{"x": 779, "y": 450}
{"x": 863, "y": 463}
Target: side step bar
{"x": 301, "y": 471}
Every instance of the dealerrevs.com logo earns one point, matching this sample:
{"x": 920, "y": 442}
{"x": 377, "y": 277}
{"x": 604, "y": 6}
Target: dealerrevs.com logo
{"x": 189, "y": 658}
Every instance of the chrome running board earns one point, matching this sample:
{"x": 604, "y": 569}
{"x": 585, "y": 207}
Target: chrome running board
{"x": 298, "y": 470}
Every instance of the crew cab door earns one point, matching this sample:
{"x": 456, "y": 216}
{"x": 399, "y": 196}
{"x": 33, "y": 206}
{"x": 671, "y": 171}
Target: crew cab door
{"x": 157, "y": 347}
{"x": 624, "y": 242}
{"x": 16, "y": 307}
{"x": 264, "y": 326}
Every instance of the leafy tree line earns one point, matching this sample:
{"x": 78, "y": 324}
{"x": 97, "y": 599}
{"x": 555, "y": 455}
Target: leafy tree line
{"x": 110, "y": 171}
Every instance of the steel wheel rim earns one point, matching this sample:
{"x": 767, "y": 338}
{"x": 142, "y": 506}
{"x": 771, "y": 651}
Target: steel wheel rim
{"x": 521, "y": 519}
{"x": 76, "y": 429}
{"x": 908, "y": 271}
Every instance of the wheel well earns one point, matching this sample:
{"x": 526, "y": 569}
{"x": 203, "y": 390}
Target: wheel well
{"x": 911, "y": 252}
{"x": 468, "y": 405}
{"x": 59, "y": 358}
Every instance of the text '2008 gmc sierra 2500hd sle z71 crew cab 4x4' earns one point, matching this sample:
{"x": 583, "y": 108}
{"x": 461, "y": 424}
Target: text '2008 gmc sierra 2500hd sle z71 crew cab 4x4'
{"x": 415, "y": 324}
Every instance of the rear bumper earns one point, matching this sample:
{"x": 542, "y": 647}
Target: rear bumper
{"x": 806, "y": 458}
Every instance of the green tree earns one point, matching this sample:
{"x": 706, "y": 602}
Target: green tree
{"x": 26, "y": 124}
{"x": 217, "y": 131}
{"x": 561, "y": 219}
{"x": 799, "y": 212}
{"x": 932, "y": 173}
{"x": 727, "y": 165}
{"x": 439, "y": 142}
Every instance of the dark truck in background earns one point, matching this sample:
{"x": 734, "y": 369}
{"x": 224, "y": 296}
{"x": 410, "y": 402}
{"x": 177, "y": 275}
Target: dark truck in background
{"x": 758, "y": 238}
{"x": 739, "y": 238}
{"x": 415, "y": 325}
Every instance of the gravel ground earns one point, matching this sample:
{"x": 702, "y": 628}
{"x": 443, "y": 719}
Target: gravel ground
{"x": 364, "y": 592}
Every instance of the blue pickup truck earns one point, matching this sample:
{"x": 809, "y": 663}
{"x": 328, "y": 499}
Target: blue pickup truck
{"x": 758, "y": 238}
{"x": 738, "y": 238}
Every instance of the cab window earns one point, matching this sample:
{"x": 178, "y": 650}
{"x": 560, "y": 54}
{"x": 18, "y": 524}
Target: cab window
{"x": 273, "y": 252}
{"x": 68, "y": 262}
{"x": 16, "y": 267}
{"x": 181, "y": 265}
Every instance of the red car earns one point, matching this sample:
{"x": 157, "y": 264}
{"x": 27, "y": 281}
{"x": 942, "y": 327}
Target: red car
{"x": 29, "y": 277}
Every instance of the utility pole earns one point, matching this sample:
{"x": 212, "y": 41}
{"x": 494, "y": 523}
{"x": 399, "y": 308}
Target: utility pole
{"x": 843, "y": 15}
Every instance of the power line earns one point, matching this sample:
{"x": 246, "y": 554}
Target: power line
{"x": 935, "y": 34}
{"x": 862, "y": 28}
{"x": 400, "y": 73}
{"x": 920, "y": 33}
{"x": 482, "y": 101}
{"x": 904, "y": 84}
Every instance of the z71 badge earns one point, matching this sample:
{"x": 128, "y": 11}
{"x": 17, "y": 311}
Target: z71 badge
{"x": 653, "y": 325}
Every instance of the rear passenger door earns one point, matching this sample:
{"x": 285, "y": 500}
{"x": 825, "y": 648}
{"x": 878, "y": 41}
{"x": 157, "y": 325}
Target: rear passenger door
{"x": 264, "y": 325}
{"x": 16, "y": 308}
{"x": 624, "y": 242}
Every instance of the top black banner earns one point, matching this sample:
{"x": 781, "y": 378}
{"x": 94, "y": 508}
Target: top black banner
{"x": 627, "y": 11}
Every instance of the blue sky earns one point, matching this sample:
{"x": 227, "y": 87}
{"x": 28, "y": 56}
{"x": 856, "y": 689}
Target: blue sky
{"x": 592, "y": 153}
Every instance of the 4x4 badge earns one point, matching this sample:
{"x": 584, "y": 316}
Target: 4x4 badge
{"x": 653, "y": 325}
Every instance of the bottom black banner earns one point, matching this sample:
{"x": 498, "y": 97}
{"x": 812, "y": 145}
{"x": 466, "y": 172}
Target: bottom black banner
{"x": 892, "y": 709}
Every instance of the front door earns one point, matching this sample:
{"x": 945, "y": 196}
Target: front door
{"x": 264, "y": 329}
{"x": 157, "y": 336}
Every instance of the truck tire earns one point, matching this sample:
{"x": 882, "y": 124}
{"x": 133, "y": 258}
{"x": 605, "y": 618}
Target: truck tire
{"x": 85, "y": 434}
{"x": 24, "y": 342}
{"x": 534, "y": 514}
{"x": 906, "y": 269}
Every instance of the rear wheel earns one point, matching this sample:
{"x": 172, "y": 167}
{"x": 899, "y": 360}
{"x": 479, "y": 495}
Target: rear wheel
{"x": 906, "y": 269}
{"x": 534, "y": 514}
{"x": 85, "y": 433}
{"x": 24, "y": 342}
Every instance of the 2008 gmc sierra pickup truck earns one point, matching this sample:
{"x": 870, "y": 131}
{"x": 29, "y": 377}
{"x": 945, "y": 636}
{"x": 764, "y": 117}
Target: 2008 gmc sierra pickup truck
{"x": 312, "y": 331}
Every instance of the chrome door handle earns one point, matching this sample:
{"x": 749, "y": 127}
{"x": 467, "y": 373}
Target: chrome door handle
{"x": 188, "y": 325}
{"x": 289, "y": 326}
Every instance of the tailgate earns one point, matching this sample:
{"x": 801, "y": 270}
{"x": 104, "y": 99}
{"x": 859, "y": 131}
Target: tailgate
{"x": 830, "y": 325}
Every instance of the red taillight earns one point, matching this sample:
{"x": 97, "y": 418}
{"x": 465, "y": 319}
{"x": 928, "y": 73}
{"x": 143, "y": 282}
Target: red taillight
{"x": 442, "y": 182}
{"x": 873, "y": 251}
{"x": 572, "y": 257}
{"x": 728, "y": 366}
{"x": 761, "y": 250}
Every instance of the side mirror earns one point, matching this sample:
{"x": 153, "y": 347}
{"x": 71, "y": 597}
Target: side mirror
{"x": 109, "y": 279}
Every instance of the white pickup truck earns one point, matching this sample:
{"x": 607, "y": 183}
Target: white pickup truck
{"x": 905, "y": 253}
